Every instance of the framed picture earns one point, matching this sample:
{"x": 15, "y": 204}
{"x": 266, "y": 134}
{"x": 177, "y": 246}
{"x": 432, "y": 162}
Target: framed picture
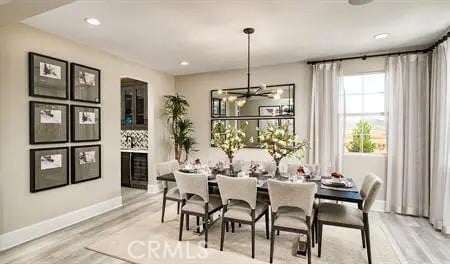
{"x": 85, "y": 83}
{"x": 274, "y": 110}
{"x": 49, "y": 168}
{"x": 85, "y": 123}
{"x": 48, "y": 77}
{"x": 48, "y": 123}
{"x": 86, "y": 163}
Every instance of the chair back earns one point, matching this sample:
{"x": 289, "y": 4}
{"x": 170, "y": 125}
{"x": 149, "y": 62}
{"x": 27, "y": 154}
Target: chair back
{"x": 297, "y": 195}
{"x": 167, "y": 167}
{"x": 369, "y": 190}
{"x": 191, "y": 183}
{"x": 232, "y": 188}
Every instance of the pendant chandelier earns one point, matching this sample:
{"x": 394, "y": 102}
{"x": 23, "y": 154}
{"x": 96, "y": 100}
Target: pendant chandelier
{"x": 243, "y": 97}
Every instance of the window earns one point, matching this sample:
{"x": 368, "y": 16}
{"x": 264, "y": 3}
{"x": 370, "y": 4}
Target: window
{"x": 365, "y": 126}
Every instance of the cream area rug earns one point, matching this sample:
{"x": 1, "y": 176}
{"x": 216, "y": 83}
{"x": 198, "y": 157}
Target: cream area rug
{"x": 150, "y": 241}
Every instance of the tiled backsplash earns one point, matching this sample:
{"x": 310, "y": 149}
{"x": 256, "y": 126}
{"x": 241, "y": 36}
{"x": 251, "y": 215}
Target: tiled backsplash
{"x": 140, "y": 139}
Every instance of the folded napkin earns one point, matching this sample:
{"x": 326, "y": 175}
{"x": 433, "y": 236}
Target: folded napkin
{"x": 352, "y": 189}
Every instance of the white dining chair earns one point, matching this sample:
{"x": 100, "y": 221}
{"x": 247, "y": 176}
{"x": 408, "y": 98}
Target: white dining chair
{"x": 172, "y": 194}
{"x": 346, "y": 216}
{"x": 241, "y": 205}
{"x": 196, "y": 199}
{"x": 292, "y": 208}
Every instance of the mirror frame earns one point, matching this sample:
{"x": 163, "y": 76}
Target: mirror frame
{"x": 291, "y": 86}
{"x": 246, "y": 119}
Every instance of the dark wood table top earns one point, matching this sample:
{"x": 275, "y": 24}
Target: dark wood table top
{"x": 322, "y": 193}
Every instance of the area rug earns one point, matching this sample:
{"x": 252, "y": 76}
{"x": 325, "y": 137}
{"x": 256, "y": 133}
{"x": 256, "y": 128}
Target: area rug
{"x": 150, "y": 241}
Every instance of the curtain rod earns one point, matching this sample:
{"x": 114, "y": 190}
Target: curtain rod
{"x": 364, "y": 57}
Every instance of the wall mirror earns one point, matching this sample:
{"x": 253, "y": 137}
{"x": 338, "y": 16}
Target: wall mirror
{"x": 264, "y": 101}
{"x": 249, "y": 127}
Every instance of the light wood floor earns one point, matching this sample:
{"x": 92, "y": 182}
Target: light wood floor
{"x": 414, "y": 238}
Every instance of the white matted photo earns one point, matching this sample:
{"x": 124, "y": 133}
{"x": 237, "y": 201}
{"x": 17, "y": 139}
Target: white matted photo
{"x": 50, "y": 116}
{"x": 51, "y": 161}
{"x": 49, "y": 70}
{"x": 86, "y": 78}
{"x": 87, "y": 157}
{"x": 87, "y": 118}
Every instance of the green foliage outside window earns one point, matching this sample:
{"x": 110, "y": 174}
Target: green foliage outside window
{"x": 361, "y": 140}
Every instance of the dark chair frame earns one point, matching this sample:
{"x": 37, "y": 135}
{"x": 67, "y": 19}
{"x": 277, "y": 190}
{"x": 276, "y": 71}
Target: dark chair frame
{"x": 205, "y": 219}
{"x": 165, "y": 198}
{"x": 255, "y": 218}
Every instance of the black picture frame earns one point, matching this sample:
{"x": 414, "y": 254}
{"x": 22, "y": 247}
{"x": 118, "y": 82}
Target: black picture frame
{"x": 84, "y": 89}
{"x": 232, "y": 91}
{"x": 48, "y": 77}
{"x": 83, "y": 169}
{"x": 48, "y": 131}
{"x": 88, "y": 131}
{"x": 56, "y": 168}
{"x": 262, "y": 107}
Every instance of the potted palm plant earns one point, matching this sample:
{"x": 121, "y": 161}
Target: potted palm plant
{"x": 280, "y": 143}
{"x": 181, "y": 127}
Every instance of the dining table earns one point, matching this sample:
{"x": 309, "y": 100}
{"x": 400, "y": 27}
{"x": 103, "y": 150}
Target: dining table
{"x": 335, "y": 194}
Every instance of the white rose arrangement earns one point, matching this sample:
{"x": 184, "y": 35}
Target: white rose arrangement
{"x": 227, "y": 138}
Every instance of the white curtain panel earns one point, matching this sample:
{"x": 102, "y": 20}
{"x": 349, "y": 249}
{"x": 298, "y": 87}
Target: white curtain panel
{"x": 440, "y": 139}
{"x": 407, "y": 86}
{"x": 326, "y": 137}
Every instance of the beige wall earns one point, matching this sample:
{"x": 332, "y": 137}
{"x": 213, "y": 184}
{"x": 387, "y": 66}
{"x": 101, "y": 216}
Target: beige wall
{"x": 19, "y": 207}
{"x": 196, "y": 88}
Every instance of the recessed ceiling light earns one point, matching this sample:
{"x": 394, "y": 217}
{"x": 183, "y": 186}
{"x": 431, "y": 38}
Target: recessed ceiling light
{"x": 184, "y": 63}
{"x": 92, "y": 21}
{"x": 381, "y": 36}
{"x": 359, "y": 2}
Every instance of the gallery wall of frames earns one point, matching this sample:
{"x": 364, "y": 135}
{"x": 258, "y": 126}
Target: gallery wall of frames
{"x": 67, "y": 122}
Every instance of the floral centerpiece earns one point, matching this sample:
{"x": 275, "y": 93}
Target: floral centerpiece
{"x": 280, "y": 143}
{"x": 229, "y": 139}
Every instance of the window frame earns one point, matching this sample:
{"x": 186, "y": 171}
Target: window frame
{"x": 364, "y": 114}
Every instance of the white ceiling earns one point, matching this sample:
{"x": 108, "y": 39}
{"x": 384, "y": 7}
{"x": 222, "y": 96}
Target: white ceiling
{"x": 209, "y": 35}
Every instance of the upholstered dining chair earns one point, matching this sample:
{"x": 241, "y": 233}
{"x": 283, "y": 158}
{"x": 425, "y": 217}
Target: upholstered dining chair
{"x": 346, "y": 216}
{"x": 200, "y": 203}
{"x": 292, "y": 208}
{"x": 172, "y": 194}
{"x": 240, "y": 205}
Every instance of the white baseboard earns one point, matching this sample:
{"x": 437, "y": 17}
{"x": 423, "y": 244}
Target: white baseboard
{"x": 154, "y": 188}
{"x": 22, "y": 235}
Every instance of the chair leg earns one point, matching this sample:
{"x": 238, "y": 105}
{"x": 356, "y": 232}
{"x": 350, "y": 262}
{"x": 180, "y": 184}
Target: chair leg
{"x": 272, "y": 242}
{"x": 312, "y": 234}
{"x": 253, "y": 240}
{"x": 163, "y": 209}
{"x": 240, "y": 225}
{"x": 178, "y": 208}
{"x": 187, "y": 222}
{"x": 206, "y": 226}
{"x": 320, "y": 238}
{"x": 232, "y": 227}
{"x": 278, "y": 232}
{"x": 369, "y": 253}
{"x": 227, "y": 227}
{"x": 363, "y": 238}
{"x": 222, "y": 235}
{"x": 308, "y": 244}
{"x": 316, "y": 215}
{"x": 181, "y": 227}
{"x": 267, "y": 224}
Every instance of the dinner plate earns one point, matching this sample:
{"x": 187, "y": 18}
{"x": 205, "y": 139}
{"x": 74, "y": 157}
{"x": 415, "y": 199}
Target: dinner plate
{"x": 339, "y": 184}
